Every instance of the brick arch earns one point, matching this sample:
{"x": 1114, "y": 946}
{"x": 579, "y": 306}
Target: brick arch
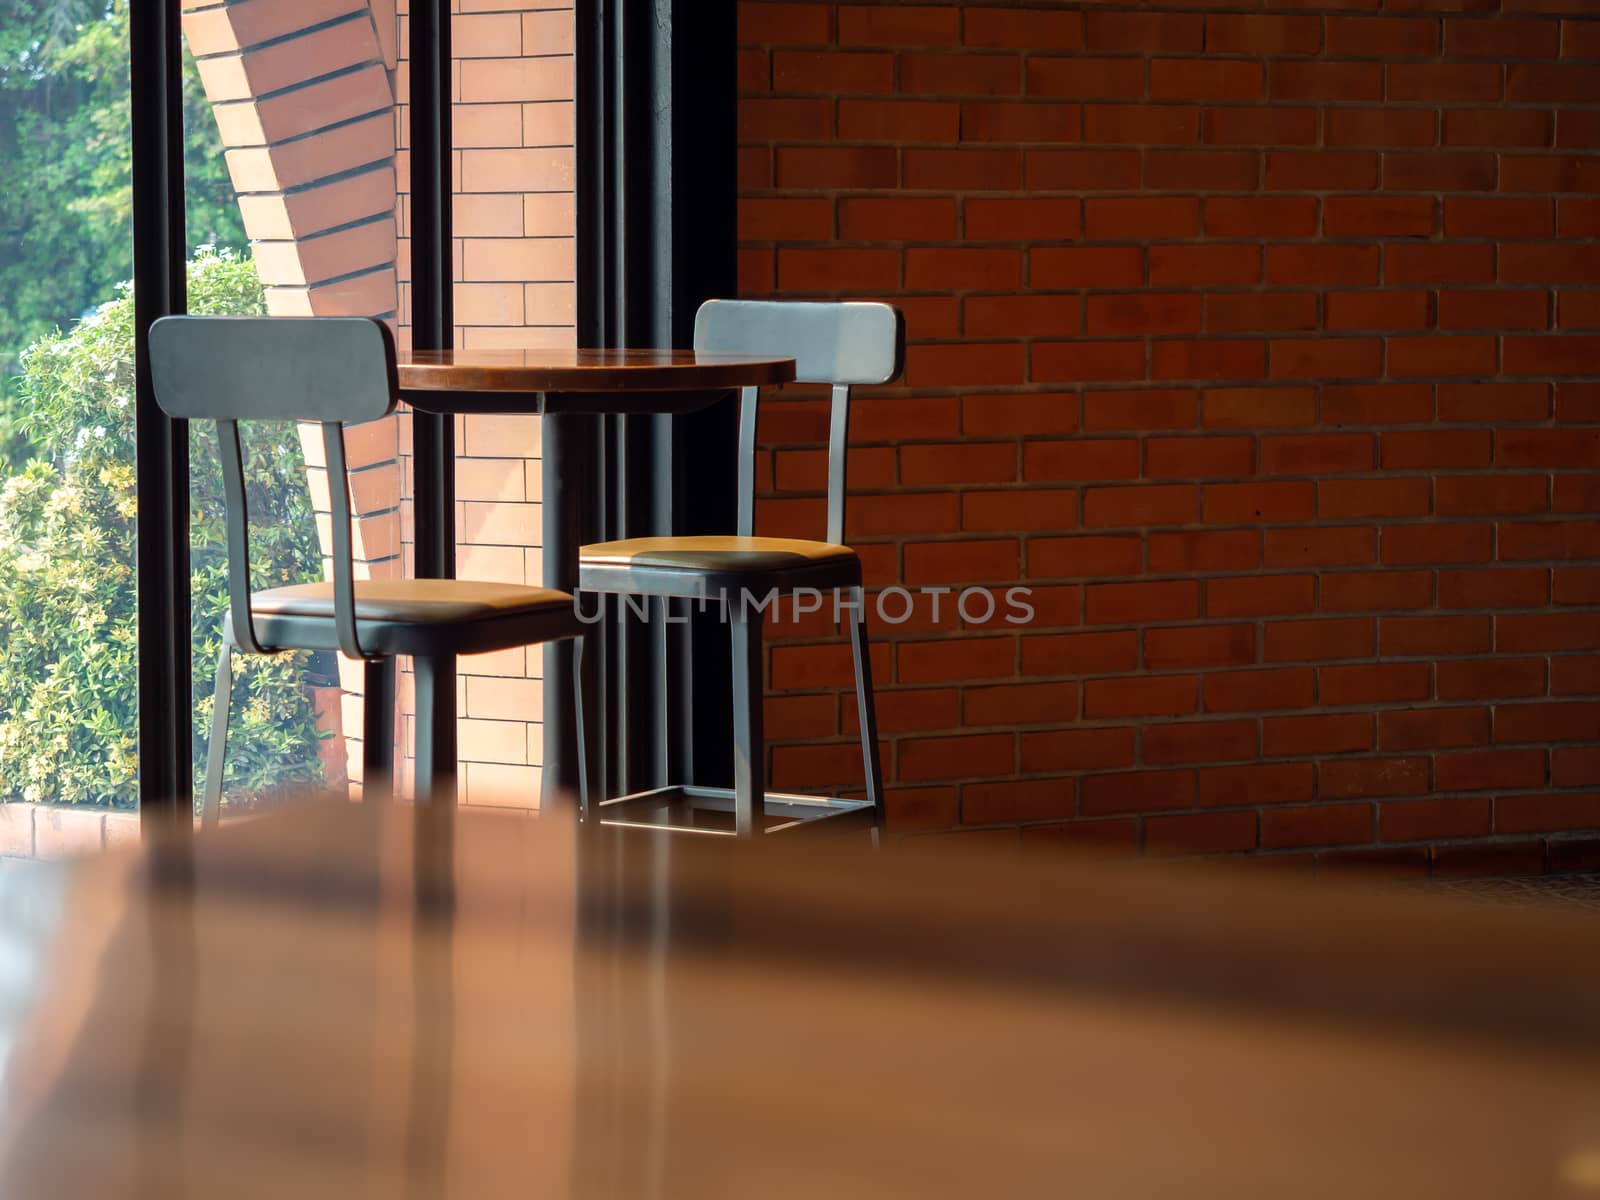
{"x": 309, "y": 97}
{"x": 303, "y": 92}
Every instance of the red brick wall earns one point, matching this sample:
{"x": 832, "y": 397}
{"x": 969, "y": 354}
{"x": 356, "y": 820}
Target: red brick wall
{"x": 1263, "y": 345}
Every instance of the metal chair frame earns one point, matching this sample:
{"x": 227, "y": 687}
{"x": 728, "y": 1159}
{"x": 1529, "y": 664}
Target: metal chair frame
{"x": 333, "y": 371}
{"x": 841, "y": 345}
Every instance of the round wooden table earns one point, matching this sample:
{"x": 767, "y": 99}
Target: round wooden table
{"x": 564, "y": 386}
{"x": 578, "y": 381}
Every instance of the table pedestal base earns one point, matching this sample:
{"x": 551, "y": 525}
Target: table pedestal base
{"x": 568, "y": 445}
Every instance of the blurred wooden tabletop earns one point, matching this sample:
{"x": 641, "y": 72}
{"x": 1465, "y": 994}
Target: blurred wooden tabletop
{"x": 348, "y": 1003}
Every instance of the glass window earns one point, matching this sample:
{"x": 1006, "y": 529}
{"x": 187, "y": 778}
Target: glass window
{"x": 68, "y": 691}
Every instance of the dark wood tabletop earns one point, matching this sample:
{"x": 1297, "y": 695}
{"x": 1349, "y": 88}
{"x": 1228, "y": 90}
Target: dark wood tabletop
{"x": 589, "y": 371}
{"x": 346, "y": 1003}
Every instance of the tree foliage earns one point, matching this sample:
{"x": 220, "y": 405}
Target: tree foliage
{"x": 66, "y": 228}
{"x": 68, "y": 692}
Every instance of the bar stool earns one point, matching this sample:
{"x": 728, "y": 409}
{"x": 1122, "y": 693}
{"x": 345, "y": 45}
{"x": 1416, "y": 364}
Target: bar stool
{"x": 335, "y": 370}
{"x": 840, "y": 344}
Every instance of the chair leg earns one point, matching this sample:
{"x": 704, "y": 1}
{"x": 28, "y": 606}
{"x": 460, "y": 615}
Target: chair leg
{"x": 436, "y": 735}
{"x": 676, "y": 751}
{"x": 217, "y": 752}
{"x": 582, "y": 734}
{"x": 667, "y": 729}
{"x": 867, "y": 710}
{"x": 749, "y": 739}
{"x": 377, "y": 731}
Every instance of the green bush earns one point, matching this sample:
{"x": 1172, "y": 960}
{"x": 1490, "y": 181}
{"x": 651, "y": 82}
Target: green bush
{"x": 68, "y": 691}
{"x": 66, "y": 220}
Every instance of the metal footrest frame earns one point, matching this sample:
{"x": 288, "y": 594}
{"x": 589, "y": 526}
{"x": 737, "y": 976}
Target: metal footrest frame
{"x": 673, "y": 808}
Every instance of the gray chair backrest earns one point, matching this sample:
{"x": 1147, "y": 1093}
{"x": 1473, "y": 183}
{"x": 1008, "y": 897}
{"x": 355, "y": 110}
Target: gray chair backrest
{"x": 326, "y": 369}
{"x": 840, "y": 343}
{"x": 273, "y": 368}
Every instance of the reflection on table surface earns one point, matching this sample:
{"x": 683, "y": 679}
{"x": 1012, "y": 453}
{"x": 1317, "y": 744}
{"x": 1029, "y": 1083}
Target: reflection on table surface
{"x": 343, "y": 1002}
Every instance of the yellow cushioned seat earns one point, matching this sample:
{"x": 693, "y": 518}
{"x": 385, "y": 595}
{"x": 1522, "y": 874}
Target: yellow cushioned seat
{"x": 405, "y": 616}
{"x": 653, "y": 563}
